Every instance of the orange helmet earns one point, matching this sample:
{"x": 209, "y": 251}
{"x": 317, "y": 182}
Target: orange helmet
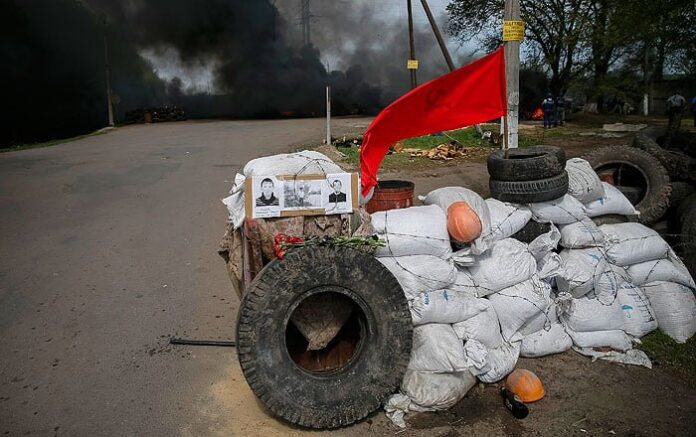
{"x": 463, "y": 223}
{"x": 525, "y": 384}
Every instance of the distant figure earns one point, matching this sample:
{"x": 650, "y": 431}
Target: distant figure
{"x": 693, "y": 109}
{"x": 675, "y": 109}
{"x": 560, "y": 111}
{"x": 547, "y": 106}
{"x": 267, "y": 197}
{"x": 337, "y": 196}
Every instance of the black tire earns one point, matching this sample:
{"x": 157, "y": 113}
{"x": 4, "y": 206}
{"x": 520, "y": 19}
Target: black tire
{"x": 527, "y": 164}
{"x": 610, "y": 219}
{"x": 530, "y": 191}
{"x": 531, "y": 230}
{"x": 680, "y": 191}
{"x": 679, "y": 166}
{"x": 375, "y": 370}
{"x": 643, "y": 166}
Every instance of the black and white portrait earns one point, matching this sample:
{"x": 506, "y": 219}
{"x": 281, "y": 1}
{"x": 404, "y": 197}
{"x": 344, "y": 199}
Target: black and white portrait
{"x": 268, "y": 197}
{"x": 337, "y": 195}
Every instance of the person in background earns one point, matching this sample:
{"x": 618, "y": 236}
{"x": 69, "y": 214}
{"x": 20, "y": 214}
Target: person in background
{"x": 548, "y": 107}
{"x": 560, "y": 110}
{"x": 675, "y": 109}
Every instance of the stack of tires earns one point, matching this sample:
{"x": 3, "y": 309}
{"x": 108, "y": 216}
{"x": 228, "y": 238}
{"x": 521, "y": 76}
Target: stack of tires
{"x": 528, "y": 175}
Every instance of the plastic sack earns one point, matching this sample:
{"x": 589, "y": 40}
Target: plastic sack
{"x": 675, "y": 308}
{"x": 506, "y": 218}
{"x": 444, "y": 306}
{"x": 670, "y": 269}
{"x": 545, "y": 243}
{"x": 444, "y": 197}
{"x": 436, "y": 349}
{"x": 633, "y": 243}
{"x": 518, "y": 304}
{"x": 483, "y": 327}
{"x": 419, "y": 273}
{"x": 561, "y": 211}
{"x": 491, "y": 365}
{"x": 436, "y": 391}
{"x": 589, "y": 315}
{"x": 613, "y": 202}
{"x": 542, "y": 321}
{"x": 582, "y": 234}
{"x": 420, "y": 230}
{"x": 639, "y": 317}
{"x": 304, "y": 162}
{"x": 616, "y": 339}
{"x": 583, "y": 182}
{"x": 507, "y": 263}
{"x": 580, "y": 266}
{"x": 546, "y": 342}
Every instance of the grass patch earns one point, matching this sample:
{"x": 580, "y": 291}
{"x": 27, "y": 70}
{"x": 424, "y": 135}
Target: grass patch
{"x": 679, "y": 359}
{"x": 50, "y": 143}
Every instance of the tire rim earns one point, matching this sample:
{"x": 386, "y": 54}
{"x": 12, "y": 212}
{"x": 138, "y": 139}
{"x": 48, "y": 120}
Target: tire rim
{"x": 344, "y": 350}
{"x": 625, "y": 174}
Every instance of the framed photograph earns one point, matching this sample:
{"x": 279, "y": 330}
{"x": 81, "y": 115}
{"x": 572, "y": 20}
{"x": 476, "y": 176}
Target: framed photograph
{"x": 337, "y": 195}
{"x": 266, "y": 197}
{"x": 302, "y": 194}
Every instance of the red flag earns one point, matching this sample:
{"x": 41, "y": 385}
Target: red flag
{"x": 472, "y": 94}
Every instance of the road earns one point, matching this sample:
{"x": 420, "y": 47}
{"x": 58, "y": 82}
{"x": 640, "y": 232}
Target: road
{"x": 108, "y": 248}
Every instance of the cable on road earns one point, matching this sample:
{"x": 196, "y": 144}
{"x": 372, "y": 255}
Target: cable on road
{"x": 190, "y": 342}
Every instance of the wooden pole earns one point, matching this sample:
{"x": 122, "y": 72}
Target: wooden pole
{"x": 512, "y": 73}
{"x": 328, "y": 115}
{"x": 412, "y": 43}
{"x": 110, "y": 108}
{"x": 438, "y": 35}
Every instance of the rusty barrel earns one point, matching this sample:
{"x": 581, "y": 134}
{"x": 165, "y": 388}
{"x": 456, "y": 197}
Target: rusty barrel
{"x": 391, "y": 195}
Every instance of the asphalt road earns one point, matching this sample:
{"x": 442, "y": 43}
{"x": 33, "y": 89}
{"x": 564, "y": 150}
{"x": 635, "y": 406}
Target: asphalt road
{"x": 108, "y": 248}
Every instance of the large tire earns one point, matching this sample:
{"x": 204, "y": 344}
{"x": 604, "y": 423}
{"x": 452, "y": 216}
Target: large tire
{"x": 680, "y": 191}
{"x": 374, "y": 371}
{"x": 527, "y": 164}
{"x": 653, "y": 174}
{"x": 530, "y": 191}
{"x": 679, "y": 166}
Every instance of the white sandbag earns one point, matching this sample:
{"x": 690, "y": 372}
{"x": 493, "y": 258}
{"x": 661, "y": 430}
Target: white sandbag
{"x": 608, "y": 282}
{"x": 675, "y": 309}
{"x": 493, "y": 364}
{"x": 582, "y": 234}
{"x": 304, "y": 162}
{"x": 583, "y": 182}
{"x": 635, "y": 357}
{"x": 546, "y": 342}
{"x": 545, "y": 243}
{"x": 670, "y": 269}
{"x": 589, "y": 315}
{"x": 542, "y": 321}
{"x": 420, "y": 230}
{"x": 633, "y": 243}
{"x": 507, "y": 262}
{"x": 436, "y": 391}
{"x": 518, "y": 304}
{"x": 483, "y": 327}
{"x": 616, "y": 339}
{"x": 506, "y": 218}
{"x": 437, "y": 349}
{"x": 561, "y": 211}
{"x": 580, "y": 266}
{"x": 444, "y": 306}
{"x": 444, "y": 197}
{"x": 613, "y": 202}
{"x": 549, "y": 267}
{"x": 419, "y": 273}
{"x": 639, "y": 317}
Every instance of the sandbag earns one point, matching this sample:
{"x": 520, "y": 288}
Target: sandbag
{"x": 582, "y": 234}
{"x": 518, "y": 304}
{"x": 483, "y": 327}
{"x": 419, "y": 273}
{"x": 507, "y": 263}
{"x": 541, "y": 321}
{"x": 589, "y": 315}
{"x": 444, "y": 306}
{"x": 546, "y": 342}
{"x": 436, "y": 391}
{"x": 616, "y": 339}
{"x": 545, "y": 243}
{"x": 304, "y": 162}
{"x": 613, "y": 202}
{"x": 580, "y": 266}
{"x": 491, "y": 365}
{"x": 583, "y": 182}
{"x": 561, "y": 211}
{"x": 639, "y": 317}
{"x": 506, "y": 218}
{"x": 444, "y": 197}
{"x": 633, "y": 243}
{"x": 437, "y": 349}
{"x": 670, "y": 269}
{"x": 420, "y": 230}
{"x": 675, "y": 308}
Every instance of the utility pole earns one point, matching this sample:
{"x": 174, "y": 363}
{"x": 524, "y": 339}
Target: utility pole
{"x": 438, "y": 35}
{"x": 328, "y": 115}
{"x": 110, "y": 108}
{"x": 306, "y": 17}
{"x": 412, "y": 43}
{"x": 512, "y": 73}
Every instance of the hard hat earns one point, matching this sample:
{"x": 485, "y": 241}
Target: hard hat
{"x": 525, "y": 384}
{"x": 463, "y": 224}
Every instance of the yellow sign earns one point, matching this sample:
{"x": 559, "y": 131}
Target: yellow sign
{"x": 513, "y": 30}
{"x": 412, "y": 64}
